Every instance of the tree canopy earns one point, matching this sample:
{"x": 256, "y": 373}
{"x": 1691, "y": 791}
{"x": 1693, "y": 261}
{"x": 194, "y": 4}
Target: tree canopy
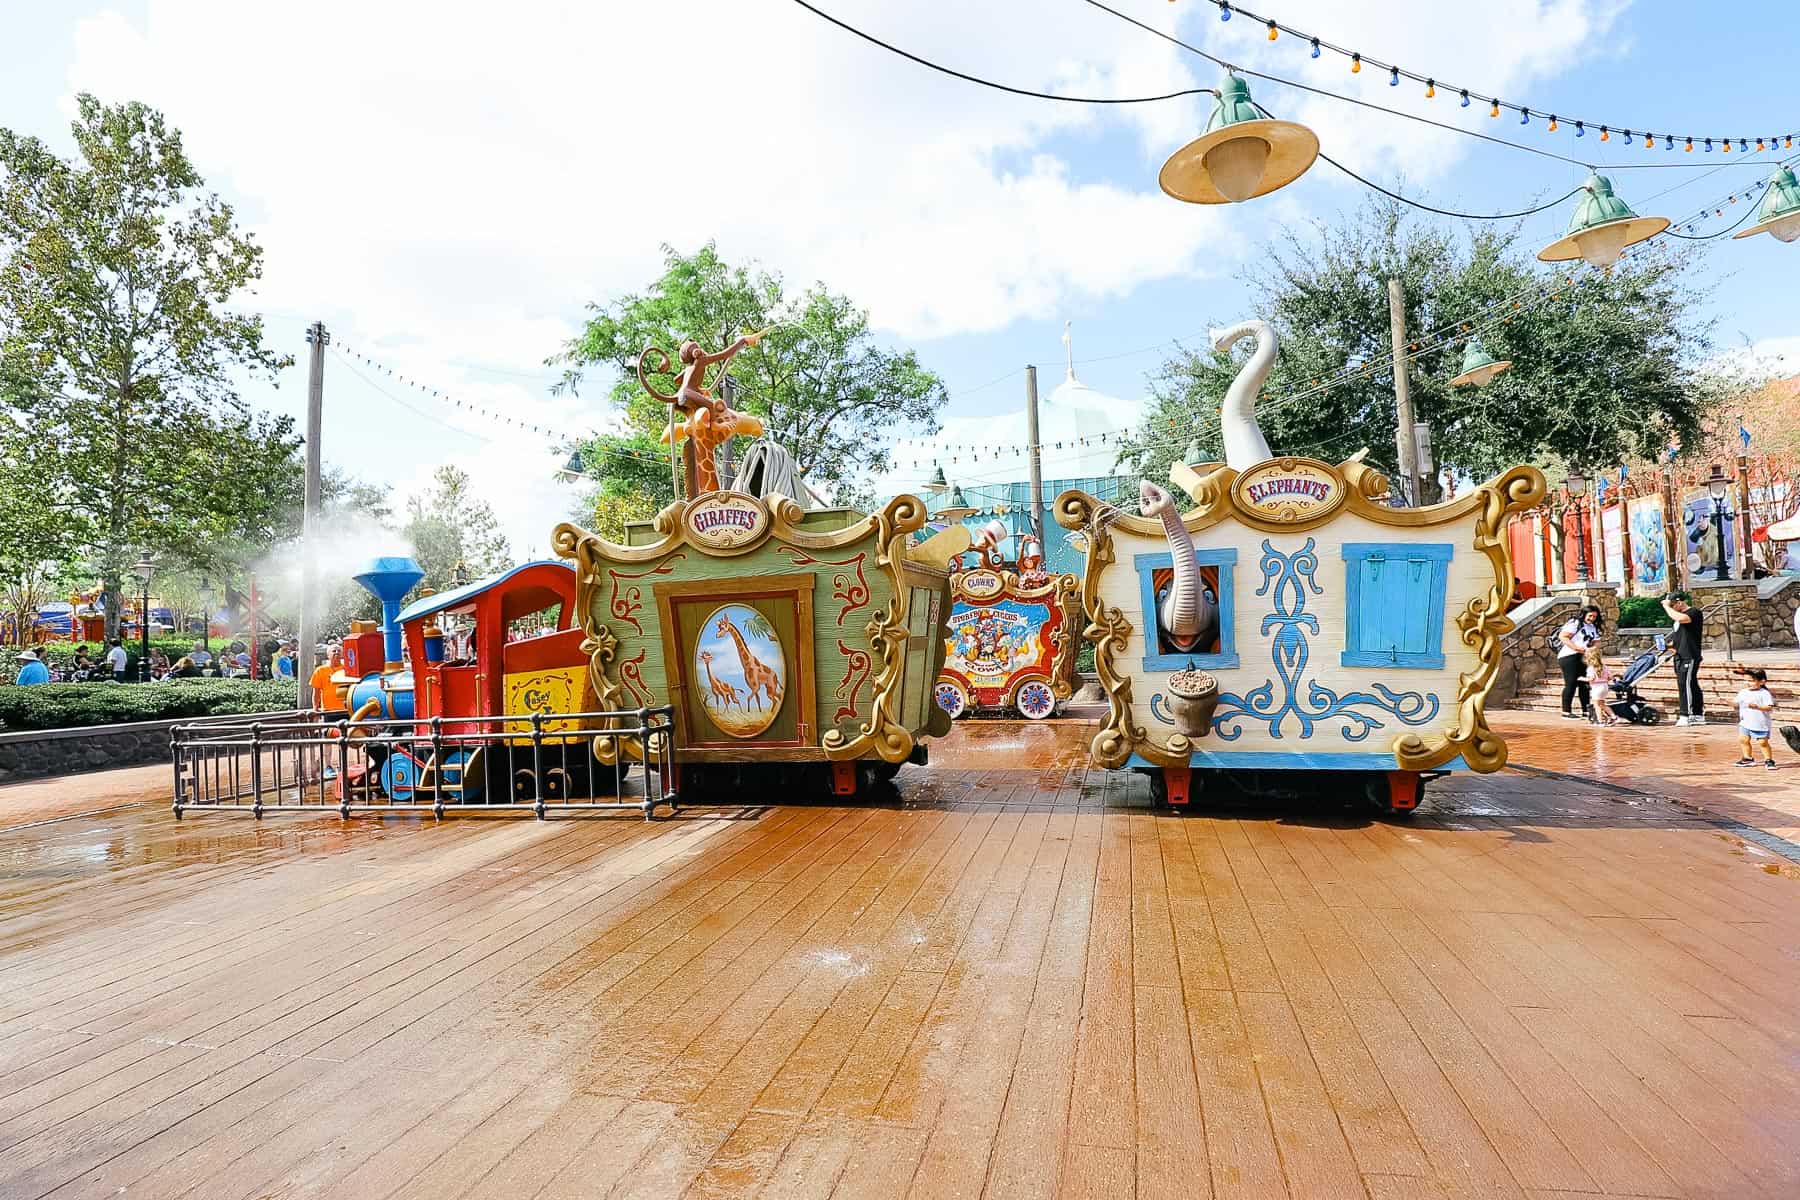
{"x": 825, "y": 389}
{"x": 1604, "y": 370}
{"x": 119, "y": 348}
{"x": 448, "y": 525}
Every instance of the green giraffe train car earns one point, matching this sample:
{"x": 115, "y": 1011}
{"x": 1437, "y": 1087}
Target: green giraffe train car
{"x": 798, "y": 648}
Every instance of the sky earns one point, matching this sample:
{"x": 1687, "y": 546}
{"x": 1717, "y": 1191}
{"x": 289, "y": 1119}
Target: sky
{"x": 448, "y": 186}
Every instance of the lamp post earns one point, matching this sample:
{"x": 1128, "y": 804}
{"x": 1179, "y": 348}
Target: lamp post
{"x": 143, "y": 569}
{"x": 1577, "y": 485}
{"x": 459, "y": 574}
{"x": 206, "y": 603}
{"x": 1718, "y": 485}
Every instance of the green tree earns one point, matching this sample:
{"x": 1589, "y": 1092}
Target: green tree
{"x": 825, "y": 390}
{"x": 118, "y": 349}
{"x": 448, "y": 525}
{"x": 34, "y": 535}
{"x": 1604, "y": 371}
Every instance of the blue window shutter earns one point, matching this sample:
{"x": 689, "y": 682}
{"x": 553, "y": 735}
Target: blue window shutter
{"x": 1394, "y": 613}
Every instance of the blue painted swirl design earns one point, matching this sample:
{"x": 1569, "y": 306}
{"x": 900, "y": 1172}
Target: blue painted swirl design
{"x": 1288, "y": 580}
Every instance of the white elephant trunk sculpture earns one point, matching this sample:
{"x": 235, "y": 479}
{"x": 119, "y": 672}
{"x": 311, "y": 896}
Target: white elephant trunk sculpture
{"x": 1245, "y": 445}
{"x": 1189, "y": 614}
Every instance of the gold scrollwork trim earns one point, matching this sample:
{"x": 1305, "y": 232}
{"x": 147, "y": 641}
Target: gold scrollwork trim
{"x": 883, "y": 733}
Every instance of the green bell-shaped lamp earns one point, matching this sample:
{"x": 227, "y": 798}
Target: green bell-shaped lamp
{"x": 957, "y": 509}
{"x": 1779, "y": 212}
{"x": 1603, "y": 225}
{"x": 1191, "y": 456}
{"x": 1478, "y": 367}
{"x": 937, "y": 483}
{"x": 1242, "y": 154}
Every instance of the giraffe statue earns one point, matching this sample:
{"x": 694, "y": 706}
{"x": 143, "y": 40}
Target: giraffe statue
{"x": 757, "y": 676}
{"x": 723, "y": 692}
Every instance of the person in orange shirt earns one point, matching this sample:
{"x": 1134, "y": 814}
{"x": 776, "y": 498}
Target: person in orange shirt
{"x": 328, "y": 695}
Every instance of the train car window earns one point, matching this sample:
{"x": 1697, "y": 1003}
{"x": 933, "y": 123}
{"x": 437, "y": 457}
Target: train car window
{"x": 529, "y": 625}
{"x": 1394, "y": 603}
{"x": 1156, "y": 575}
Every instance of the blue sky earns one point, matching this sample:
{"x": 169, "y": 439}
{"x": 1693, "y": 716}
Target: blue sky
{"x": 447, "y": 190}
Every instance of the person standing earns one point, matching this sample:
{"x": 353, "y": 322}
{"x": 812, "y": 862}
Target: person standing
{"x": 117, "y": 660}
{"x": 1573, "y": 640}
{"x": 1756, "y": 706}
{"x": 31, "y": 669}
{"x": 1688, "y": 627}
{"x": 327, "y": 695}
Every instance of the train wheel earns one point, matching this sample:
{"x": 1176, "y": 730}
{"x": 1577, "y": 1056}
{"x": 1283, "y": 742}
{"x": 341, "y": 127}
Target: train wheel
{"x": 951, "y": 699}
{"x": 556, "y": 784}
{"x": 1034, "y": 699}
{"x": 525, "y": 789}
{"x": 400, "y": 777}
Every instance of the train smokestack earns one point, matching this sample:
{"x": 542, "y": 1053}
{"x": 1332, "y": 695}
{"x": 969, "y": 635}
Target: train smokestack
{"x": 388, "y": 580}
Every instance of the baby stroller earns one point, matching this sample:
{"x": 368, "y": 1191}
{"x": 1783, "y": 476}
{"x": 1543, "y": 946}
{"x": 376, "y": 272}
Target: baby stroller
{"x": 1626, "y": 703}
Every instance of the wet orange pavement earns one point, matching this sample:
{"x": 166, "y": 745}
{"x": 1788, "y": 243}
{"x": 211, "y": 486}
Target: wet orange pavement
{"x": 1013, "y": 978}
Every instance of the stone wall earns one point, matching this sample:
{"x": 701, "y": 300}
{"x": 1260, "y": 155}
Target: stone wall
{"x": 1733, "y": 602}
{"x": 1526, "y": 655}
{"x": 32, "y": 753}
{"x": 1778, "y": 598}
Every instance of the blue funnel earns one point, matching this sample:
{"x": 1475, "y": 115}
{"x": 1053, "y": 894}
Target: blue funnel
{"x": 388, "y": 580}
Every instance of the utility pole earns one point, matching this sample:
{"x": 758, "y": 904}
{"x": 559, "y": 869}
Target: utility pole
{"x": 1037, "y": 464}
{"x": 318, "y": 339}
{"x": 1403, "y": 433}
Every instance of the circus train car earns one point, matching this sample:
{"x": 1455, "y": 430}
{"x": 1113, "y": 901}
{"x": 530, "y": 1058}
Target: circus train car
{"x": 1291, "y": 628}
{"x": 468, "y": 657}
{"x": 1011, "y": 640}
{"x": 797, "y": 647}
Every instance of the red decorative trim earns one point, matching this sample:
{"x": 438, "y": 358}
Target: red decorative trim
{"x": 854, "y": 595}
{"x": 625, "y": 607}
{"x": 633, "y": 680}
{"x": 856, "y": 673}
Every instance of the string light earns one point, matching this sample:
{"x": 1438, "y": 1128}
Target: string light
{"x": 1728, "y": 145}
{"x": 1552, "y": 122}
{"x": 1709, "y": 145}
{"x": 1226, "y": 9}
{"x": 1690, "y": 145}
{"x": 1524, "y": 116}
{"x": 1605, "y": 134}
{"x": 1628, "y": 137}
{"x": 1579, "y": 131}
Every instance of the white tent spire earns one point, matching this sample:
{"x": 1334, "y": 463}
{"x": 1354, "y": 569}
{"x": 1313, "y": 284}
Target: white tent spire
{"x": 1069, "y": 347}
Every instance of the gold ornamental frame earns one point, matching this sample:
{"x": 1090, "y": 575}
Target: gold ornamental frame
{"x": 891, "y": 526}
{"x": 1481, "y": 624}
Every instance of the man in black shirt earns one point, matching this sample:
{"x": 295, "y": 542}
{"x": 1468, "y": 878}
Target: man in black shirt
{"x": 1688, "y": 626}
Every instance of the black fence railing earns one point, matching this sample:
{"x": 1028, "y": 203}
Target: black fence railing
{"x": 314, "y": 761}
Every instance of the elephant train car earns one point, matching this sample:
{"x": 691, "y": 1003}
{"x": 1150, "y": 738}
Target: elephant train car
{"x": 1011, "y": 641}
{"x": 1292, "y": 621}
{"x": 797, "y": 647}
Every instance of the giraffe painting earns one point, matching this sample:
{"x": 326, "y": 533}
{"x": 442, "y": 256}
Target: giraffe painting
{"x": 738, "y": 652}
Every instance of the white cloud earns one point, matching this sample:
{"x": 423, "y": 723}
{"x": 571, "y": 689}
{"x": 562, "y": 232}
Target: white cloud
{"x": 449, "y": 184}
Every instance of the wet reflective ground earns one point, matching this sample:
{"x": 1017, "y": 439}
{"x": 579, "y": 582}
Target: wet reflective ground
{"x": 1011, "y": 976}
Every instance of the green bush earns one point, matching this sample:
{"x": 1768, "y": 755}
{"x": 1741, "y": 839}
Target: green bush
{"x": 1643, "y": 612}
{"x": 1084, "y": 658}
{"x": 60, "y": 655}
{"x": 72, "y": 705}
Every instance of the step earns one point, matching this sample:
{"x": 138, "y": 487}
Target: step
{"x": 1714, "y": 714}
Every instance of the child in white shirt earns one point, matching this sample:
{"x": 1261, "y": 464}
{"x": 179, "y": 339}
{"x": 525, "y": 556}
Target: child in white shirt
{"x": 1599, "y": 681}
{"x": 1755, "y": 704}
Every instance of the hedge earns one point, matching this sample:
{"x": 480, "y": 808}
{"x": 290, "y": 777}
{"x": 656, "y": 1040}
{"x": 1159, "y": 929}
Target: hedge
{"x": 1643, "y": 612}
{"x": 72, "y": 705}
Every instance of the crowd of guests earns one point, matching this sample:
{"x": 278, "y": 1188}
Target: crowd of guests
{"x": 281, "y": 661}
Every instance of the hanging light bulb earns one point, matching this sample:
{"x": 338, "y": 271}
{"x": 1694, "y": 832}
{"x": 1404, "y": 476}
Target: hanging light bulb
{"x": 1605, "y": 134}
{"x": 1355, "y": 64}
{"x": 1465, "y": 97}
{"x": 1524, "y": 116}
{"x": 1779, "y": 213}
{"x": 1601, "y": 227}
{"x": 1315, "y": 46}
{"x": 1552, "y": 122}
{"x": 1241, "y": 155}
{"x": 1495, "y": 111}
{"x": 1272, "y": 31}
{"x": 1759, "y": 145}
{"x": 1224, "y": 12}
{"x": 1690, "y": 145}
{"x": 1628, "y": 137}
{"x": 1709, "y": 145}
{"x": 1430, "y": 89}
{"x": 1579, "y": 131}
{"x": 1727, "y": 145}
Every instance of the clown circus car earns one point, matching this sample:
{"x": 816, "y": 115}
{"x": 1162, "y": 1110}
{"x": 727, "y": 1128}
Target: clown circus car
{"x": 1291, "y": 621}
{"x": 1011, "y": 640}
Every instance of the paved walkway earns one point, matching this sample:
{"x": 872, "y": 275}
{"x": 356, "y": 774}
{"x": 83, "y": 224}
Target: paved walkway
{"x": 1015, "y": 978}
